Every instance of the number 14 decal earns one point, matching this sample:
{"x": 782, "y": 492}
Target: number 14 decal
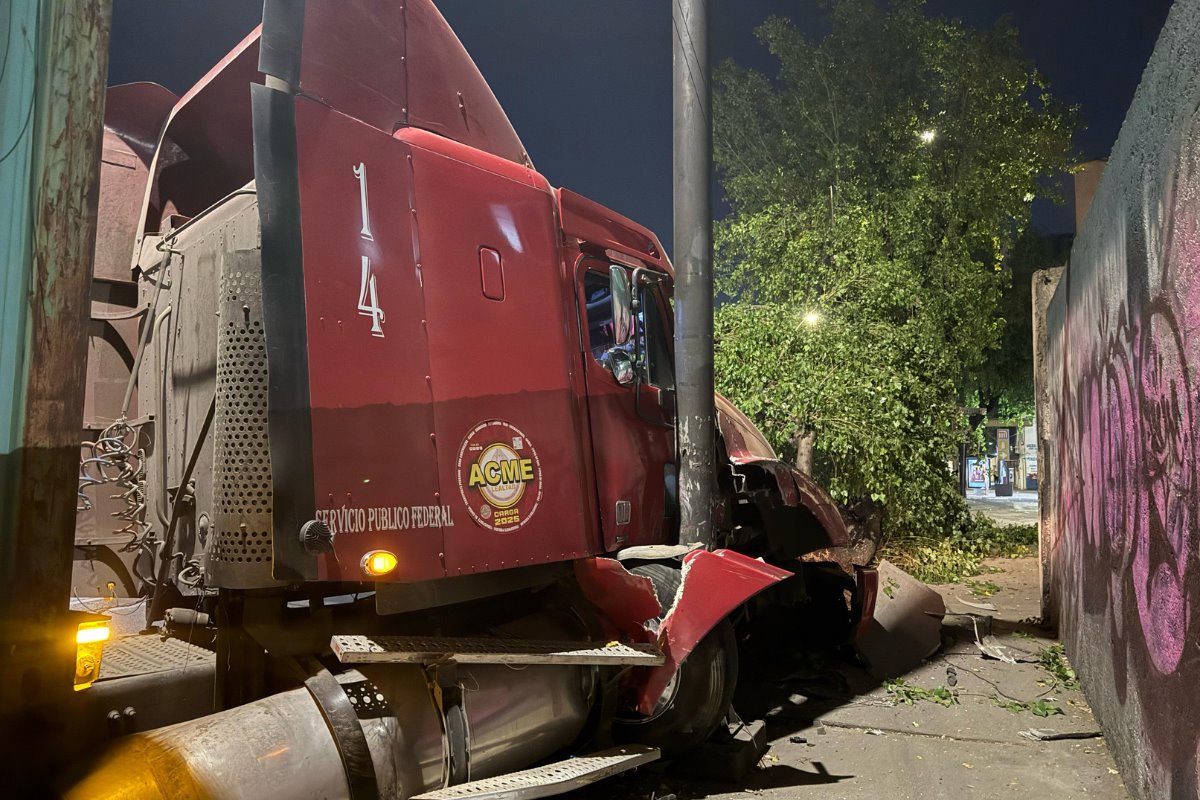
{"x": 368, "y": 299}
{"x": 368, "y": 295}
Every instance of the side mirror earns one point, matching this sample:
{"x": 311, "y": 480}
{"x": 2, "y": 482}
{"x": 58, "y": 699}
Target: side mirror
{"x": 621, "y": 364}
{"x": 622, "y": 304}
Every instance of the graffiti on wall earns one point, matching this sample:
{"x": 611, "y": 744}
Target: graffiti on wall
{"x": 1125, "y": 368}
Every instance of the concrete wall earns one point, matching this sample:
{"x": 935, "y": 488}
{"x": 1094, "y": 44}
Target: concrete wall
{"x": 1087, "y": 181}
{"x": 1122, "y": 367}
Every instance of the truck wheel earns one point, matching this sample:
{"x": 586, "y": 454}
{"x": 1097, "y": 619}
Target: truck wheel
{"x": 699, "y": 695}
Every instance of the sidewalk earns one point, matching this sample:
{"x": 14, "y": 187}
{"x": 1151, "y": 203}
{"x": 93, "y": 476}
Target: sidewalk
{"x": 1020, "y": 509}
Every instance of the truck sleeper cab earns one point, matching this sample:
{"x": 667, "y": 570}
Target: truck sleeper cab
{"x": 400, "y": 388}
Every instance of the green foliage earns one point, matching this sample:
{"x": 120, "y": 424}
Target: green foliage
{"x": 1039, "y": 708}
{"x": 1003, "y": 383}
{"x": 983, "y": 588}
{"x": 1054, "y": 660}
{"x": 933, "y": 559}
{"x": 863, "y": 265}
{"x": 1004, "y": 541}
{"x": 960, "y": 555}
{"x": 905, "y": 694}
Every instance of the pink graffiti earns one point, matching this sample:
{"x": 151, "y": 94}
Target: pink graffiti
{"x": 1093, "y": 448}
{"x": 1165, "y": 519}
{"x": 1118, "y": 467}
{"x": 1125, "y": 495}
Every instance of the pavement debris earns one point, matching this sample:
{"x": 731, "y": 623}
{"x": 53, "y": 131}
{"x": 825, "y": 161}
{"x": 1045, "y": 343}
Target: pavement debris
{"x": 980, "y": 606}
{"x": 991, "y": 647}
{"x": 1034, "y": 735}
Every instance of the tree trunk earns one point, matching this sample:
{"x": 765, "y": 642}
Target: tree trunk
{"x": 805, "y": 443}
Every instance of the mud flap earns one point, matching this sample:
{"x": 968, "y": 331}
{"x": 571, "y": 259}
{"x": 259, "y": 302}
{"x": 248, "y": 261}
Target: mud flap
{"x": 905, "y": 626}
{"x": 713, "y": 584}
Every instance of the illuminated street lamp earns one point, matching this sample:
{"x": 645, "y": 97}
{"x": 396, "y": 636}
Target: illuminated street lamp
{"x": 927, "y": 136}
{"x": 812, "y": 318}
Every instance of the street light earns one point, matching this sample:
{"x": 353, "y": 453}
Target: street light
{"x": 812, "y": 318}
{"x": 927, "y": 136}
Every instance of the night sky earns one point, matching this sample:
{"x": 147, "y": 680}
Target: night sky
{"x": 587, "y": 83}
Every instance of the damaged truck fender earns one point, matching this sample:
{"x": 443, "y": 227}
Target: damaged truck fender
{"x": 713, "y": 585}
{"x": 786, "y": 499}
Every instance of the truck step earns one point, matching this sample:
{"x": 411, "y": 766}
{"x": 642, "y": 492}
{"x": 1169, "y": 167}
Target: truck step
{"x": 483, "y": 650}
{"x": 557, "y": 778}
{"x": 144, "y": 654}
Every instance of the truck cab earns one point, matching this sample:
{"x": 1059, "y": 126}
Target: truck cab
{"x": 405, "y": 418}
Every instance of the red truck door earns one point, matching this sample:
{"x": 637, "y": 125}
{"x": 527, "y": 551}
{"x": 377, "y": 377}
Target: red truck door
{"x": 633, "y": 442}
{"x": 507, "y": 421}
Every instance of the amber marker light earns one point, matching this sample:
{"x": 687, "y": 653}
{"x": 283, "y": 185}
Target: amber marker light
{"x": 378, "y": 562}
{"x": 89, "y": 650}
{"x": 92, "y": 632}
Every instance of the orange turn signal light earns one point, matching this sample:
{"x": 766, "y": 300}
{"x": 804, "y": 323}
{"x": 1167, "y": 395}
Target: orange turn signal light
{"x": 91, "y": 632}
{"x": 89, "y": 650}
{"x": 378, "y": 562}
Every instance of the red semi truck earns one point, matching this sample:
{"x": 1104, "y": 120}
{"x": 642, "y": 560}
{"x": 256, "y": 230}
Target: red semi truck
{"x": 402, "y": 447}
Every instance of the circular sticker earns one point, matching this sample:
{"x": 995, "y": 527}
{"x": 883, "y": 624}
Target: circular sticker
{"x": 499, "y": 476}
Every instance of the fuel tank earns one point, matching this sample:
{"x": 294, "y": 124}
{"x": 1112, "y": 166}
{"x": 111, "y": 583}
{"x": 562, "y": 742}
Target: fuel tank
{"x": 281, "y": 746}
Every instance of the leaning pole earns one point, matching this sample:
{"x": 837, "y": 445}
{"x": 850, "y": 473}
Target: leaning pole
{"x": 52, "y": 78}
{"x": 692, "y": 112}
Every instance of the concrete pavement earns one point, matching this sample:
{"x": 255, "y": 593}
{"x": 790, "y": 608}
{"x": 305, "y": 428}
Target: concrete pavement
{"x": 836, "y": 734}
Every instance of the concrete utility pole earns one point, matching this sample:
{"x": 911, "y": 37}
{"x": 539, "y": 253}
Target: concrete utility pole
{"x": 693, "y": 269}
{"x": 51, "y": 122}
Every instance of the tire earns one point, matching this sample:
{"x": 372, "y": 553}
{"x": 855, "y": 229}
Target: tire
{"x": 698, "y": 698}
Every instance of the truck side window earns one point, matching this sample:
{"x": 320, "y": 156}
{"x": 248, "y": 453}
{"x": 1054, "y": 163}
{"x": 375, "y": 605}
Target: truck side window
{"x": 657, "y": 349}
{"x": 650, "y": 331}
{"x": 599, "y": 313}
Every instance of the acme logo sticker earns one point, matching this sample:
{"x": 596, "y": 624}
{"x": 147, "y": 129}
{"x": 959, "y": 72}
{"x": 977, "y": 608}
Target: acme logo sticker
{"x": 499, "y": 476}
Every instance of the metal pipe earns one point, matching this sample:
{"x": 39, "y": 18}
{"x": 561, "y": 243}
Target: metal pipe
{"x": 275, "y": 747}
{"x": 141, "y": 351}
{"x": 693, "y": 269}
{"x": 160, "y": 424}
{"x": 281, "y": 747}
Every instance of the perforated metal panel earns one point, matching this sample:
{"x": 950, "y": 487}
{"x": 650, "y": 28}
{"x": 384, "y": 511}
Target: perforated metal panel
{"x": 239, "y": 555}
{"x": 552, "y": 779}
